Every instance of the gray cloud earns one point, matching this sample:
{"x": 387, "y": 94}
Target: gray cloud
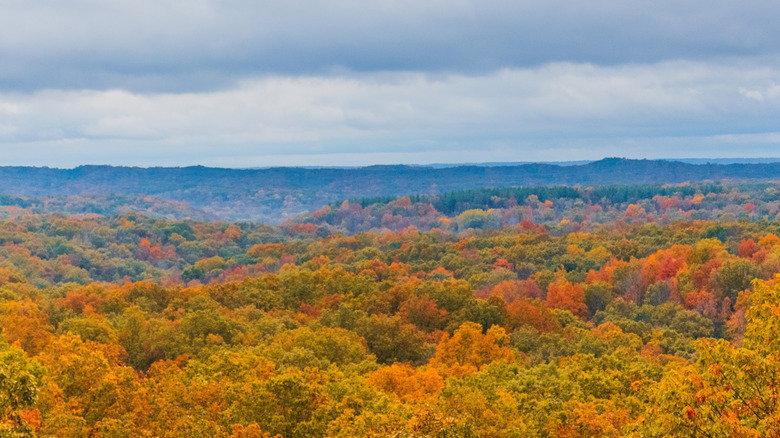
{"x": 200, "y": 45}
{"x": 550, "y": 112}
{"x": 239, "y": 83}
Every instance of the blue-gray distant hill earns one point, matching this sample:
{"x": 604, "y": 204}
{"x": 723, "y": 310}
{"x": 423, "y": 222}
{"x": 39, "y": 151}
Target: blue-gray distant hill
{"x": 275, "y": 194}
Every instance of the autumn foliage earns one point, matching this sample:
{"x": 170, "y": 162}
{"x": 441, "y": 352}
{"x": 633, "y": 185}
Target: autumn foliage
{"x": 555, "y": 314}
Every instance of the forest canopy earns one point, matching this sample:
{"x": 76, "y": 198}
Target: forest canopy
{"x": 273, "y": 195}
{"x": 643, "y": 310}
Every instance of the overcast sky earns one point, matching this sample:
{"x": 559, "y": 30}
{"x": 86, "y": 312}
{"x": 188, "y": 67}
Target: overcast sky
{"x": 342, "y": 82}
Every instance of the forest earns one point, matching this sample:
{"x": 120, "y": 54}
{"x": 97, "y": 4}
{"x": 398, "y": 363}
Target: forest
{"x": 644, "y": 310}
{"x": 274, "y": 195}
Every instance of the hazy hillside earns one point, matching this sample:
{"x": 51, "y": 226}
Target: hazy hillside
{"x": 275, "y": 194}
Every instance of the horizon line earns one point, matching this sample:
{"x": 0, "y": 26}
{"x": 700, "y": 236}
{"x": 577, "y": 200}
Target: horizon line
{"x": 567, "y": 163}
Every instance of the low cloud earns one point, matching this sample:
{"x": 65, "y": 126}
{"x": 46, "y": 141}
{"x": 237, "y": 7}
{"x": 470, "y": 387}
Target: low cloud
{"x": 557, "y": 111}
{"x": 771, "y": 91}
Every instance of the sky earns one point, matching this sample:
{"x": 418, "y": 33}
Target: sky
{"x": 234, "y": 83}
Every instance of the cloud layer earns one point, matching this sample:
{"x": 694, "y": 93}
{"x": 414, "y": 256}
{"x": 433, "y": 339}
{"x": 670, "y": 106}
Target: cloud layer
{"x": 174, "y": 45}
{"x": 351, "y": 82}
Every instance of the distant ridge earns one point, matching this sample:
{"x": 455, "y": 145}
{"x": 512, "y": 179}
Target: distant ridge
{"x": 558, "y": 163}
{"x": 275, "y": 194}
{"x": 581, "y": 162}
{"x": 728, "y": 160}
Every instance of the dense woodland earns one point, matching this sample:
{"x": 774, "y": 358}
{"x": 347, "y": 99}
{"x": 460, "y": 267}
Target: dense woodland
{"x": 274, "y": 195}
{"x": 642, "y": 310}
{"x": 561, "y": 209}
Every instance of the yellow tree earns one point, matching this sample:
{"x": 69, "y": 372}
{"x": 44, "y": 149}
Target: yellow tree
{"x": 407, "y": 383}
{"x": 20, "y": 380}
{"x": 469, "y": 349}
{"x": 730, "y": 391}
